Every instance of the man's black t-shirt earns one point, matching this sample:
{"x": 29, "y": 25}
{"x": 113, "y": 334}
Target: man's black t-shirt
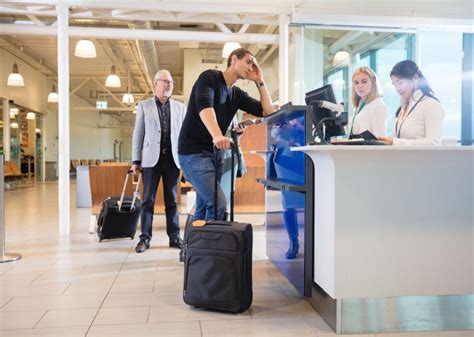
{"x": 211, "y": 91}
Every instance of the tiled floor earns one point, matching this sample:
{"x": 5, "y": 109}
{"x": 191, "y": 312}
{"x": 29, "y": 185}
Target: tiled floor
{"x": 76, "y": 286}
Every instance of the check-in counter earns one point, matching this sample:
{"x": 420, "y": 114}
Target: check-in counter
{"x": 393, "y": 237}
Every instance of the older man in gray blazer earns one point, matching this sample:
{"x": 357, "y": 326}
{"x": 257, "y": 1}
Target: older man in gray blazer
{"x": 155, "y": 150}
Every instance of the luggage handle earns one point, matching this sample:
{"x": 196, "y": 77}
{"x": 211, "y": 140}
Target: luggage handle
{"x": 233, "y": 145}
{"x": 135, "y": 193}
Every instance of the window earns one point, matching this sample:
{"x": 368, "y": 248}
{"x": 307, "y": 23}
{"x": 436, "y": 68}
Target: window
{"x": 381, "y": 51}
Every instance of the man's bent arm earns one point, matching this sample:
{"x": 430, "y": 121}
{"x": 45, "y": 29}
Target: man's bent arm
{"x": 265, "y": 99}
{"x": 208, "y": 117}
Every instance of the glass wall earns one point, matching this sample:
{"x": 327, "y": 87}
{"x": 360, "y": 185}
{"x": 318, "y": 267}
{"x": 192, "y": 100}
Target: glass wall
{"x": 379, "y": 51}
{"x": 26, "y": 141}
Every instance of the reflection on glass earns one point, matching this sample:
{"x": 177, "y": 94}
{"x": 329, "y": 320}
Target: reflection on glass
{"x": 286, "y": 165}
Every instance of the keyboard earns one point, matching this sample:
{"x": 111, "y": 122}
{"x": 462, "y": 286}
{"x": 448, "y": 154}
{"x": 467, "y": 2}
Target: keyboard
{"x": 359, "y": 142}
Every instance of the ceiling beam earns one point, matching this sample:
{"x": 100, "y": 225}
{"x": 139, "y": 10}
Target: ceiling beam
{"x": 244, "y": 28}
{"x": 30, "y": 57}
{"x": 223, "y": 28}
{"x": 264, "y": 30}
{"x": 344, "y": 41}
{"x": 135, "y": 52}
{"x": 119, "y": 101}
{"x": 34, "y": 19}
{"x": 182, "y": 6}
{"x": 267, "y": 54}
{"x": 79, "y": 86}
{"x": 143, "y": 34}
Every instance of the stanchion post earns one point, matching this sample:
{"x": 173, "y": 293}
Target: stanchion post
{"x": 12, "y": 256}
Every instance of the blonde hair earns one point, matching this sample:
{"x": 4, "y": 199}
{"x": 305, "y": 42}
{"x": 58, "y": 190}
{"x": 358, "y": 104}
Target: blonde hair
{"x": 376, "y": 87}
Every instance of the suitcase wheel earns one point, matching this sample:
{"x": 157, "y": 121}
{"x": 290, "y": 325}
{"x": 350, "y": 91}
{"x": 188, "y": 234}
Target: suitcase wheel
{"x": 132, "y": 237}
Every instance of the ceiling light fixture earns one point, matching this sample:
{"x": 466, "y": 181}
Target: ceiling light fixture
{"x": 338, "y": 83}
{"x": 85, "y": 49}
{"x": 30, "y": 115}
{"x": 229, "y": 47}
{"x": 15, "y": 79}
{"x": 342, "y": 58}
{"x": 113, "y": 81}
{"x": 53, "y": 96}
{"x": 14, "y": 112}
{"x": 128, "y": 97}
{"x": 14, "y": 125}
{"x": 38, "y": 130}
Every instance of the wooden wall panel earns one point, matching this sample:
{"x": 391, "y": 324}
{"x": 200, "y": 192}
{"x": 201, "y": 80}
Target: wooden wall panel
{"x": 108, "y": 180}
{"x": 250, "y": 195}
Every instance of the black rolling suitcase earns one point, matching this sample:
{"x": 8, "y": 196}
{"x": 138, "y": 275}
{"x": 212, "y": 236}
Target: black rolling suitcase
{"x": 119, "y": 215}
{"x": 218, "y": 262}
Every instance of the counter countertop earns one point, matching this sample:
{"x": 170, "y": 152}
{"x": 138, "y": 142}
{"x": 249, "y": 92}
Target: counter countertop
{"x": 380, "y": 148}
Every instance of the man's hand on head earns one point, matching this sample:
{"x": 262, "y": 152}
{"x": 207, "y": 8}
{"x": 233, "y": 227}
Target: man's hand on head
{"x": 256, "y": 73}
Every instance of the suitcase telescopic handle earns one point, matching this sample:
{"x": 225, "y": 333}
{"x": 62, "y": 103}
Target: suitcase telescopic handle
{"x": 135, "y": 193}
{"x": 233, "y": 146}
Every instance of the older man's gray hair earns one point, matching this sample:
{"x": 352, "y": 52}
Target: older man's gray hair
{"x": 159, "y": 73}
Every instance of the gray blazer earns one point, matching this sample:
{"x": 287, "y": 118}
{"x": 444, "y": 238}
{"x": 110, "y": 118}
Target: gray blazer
{"x": 147, "y": 132}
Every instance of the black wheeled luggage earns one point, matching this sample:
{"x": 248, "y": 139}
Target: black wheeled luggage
{"x": 119, "y": 215}
{"x": 218, "y": 263}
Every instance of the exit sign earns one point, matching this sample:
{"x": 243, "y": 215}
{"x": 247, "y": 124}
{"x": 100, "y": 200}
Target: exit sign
{"x": 101, "y": 105}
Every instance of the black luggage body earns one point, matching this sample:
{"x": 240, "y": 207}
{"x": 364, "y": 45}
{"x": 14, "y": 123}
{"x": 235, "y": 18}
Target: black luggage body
{"x": 117, "y": 221}
{"x": 218, "y": 264}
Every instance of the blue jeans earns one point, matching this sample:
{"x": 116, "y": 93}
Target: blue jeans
{"x": 200, "y": 169}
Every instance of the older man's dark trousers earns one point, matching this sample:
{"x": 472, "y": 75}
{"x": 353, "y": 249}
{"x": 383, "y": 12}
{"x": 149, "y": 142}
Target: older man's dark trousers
{"x": 167, "y": 170}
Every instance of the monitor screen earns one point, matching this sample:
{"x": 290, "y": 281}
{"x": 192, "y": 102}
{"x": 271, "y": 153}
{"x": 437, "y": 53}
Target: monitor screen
{"x": 324, "y": 94}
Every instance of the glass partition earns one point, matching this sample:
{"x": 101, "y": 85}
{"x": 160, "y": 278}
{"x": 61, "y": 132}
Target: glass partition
{"x": 320, "y": 56}
{"x": 26, "y": 141}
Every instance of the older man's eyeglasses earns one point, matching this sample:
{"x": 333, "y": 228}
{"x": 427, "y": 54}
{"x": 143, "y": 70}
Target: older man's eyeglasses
{"x": 167, "y": 82}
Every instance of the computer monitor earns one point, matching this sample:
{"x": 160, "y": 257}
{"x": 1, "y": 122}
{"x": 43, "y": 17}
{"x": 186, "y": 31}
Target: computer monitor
{"x": 334, "y": 126}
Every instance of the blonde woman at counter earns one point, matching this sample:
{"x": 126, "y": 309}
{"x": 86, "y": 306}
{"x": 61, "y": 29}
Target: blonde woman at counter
{"x": 419, "y": 120}
{"x": 370, "y": 111}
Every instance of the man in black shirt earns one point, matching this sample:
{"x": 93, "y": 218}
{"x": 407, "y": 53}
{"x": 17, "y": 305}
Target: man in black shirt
{"x": 213, "y": 103}
{"x": 155, "y": 149}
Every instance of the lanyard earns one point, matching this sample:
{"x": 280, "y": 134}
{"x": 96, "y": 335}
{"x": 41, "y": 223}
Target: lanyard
{"x": 405, "y": 117}
{"x": 359, "y": 108}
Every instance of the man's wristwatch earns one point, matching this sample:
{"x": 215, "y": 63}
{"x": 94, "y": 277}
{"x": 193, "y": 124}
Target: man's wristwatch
{"x": 259, "y": 84}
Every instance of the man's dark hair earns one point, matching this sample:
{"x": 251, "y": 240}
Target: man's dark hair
{"x": 240, "y": 53}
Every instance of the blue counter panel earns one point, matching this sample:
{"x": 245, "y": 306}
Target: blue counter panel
{"x": 278, "y": 233}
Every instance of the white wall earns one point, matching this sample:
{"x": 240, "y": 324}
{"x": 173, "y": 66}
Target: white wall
{"x": 87, "y": 140}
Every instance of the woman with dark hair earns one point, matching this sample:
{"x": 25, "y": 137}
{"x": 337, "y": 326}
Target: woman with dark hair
{"x": 419, "y": 119}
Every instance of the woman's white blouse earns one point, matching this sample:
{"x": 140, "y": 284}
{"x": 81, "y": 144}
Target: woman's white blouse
{"x": 423, "y": 126}
{"x": 372, "y": 117}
